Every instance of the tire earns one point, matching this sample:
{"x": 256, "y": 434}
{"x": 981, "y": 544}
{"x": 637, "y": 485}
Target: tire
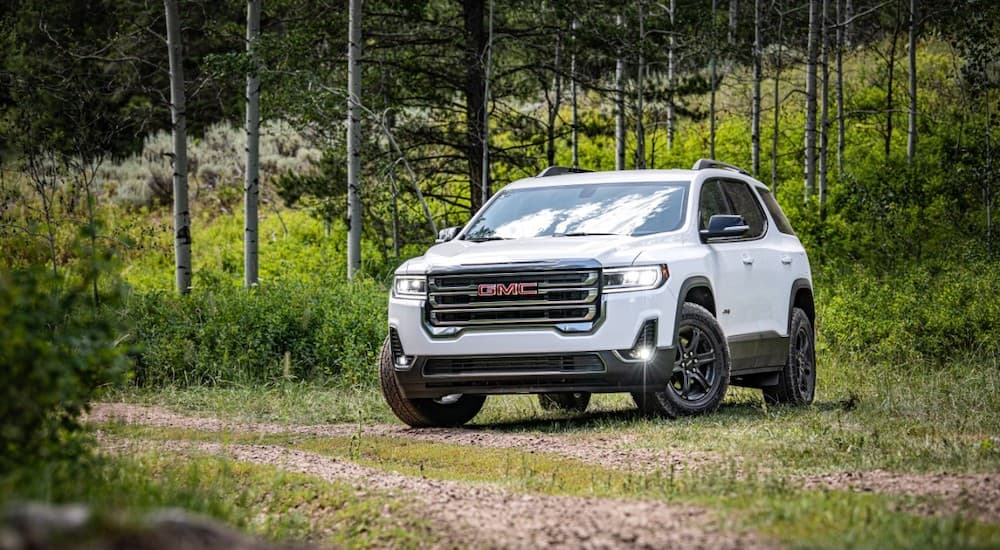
{"x": 447, "y": 411}
{"x": 797, "y": 379}
{"x": 575, "y": 402}
{"x": 700, "y": 371}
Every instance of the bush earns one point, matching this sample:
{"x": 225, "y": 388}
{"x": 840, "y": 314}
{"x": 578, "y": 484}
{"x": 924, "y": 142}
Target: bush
{"x": 282, "y": 329}
{"x": 915, "y": 314}
{"x": 56, "y": 349}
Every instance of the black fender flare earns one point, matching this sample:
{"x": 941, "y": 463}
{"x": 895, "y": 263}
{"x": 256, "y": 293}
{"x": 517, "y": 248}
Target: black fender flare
{"x": 694, "y": 281}
{"x": 797, "y": 285}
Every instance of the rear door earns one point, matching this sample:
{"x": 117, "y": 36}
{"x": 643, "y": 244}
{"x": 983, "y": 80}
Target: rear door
{"x": 736, "y": 279}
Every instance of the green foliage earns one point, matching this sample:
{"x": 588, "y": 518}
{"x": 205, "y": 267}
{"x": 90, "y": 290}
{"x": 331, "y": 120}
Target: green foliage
{"x": 911, "y": 315}
{"x": 277, "y": 330}
{"x": 56, "y": 349}
{"x": 257, "y": 499}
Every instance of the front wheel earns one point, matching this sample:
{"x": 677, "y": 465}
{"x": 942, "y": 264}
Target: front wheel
{"x": 575, "y": 402}
{"x": 701, "y": 368}
{"x": 797, "y": 379}
{"x": 447, "y": 411}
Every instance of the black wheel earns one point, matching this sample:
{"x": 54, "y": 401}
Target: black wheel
{"x": 565, "y": 401}
{"x": 797, "y": 380}
{"x": 446, "y": 411}
{"x": 700, "y": 372}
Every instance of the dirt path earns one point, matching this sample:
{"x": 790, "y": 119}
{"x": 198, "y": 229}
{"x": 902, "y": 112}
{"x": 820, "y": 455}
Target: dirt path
{"x": 971, "y": 495}
{"x": 474, "y": 515}
{"x": 611, "y": 453}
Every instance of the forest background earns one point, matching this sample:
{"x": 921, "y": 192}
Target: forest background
{"x": 872, "y": 121}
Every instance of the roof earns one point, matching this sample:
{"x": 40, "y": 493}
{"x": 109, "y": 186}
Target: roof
{"x": 611, "y": 176}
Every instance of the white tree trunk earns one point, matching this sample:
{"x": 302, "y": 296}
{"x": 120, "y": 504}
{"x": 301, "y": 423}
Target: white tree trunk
{"x": 354, "y": 139}
{"x": 572, "y": 73}
{"x": 824, "y": 117}
{"x": 670, "y": 80}
{"x": 251, "y": 182}
{"x": 487, "y": 67}
{"x": 619, "y": 108}
{"x": 911, "y": 129}
{"x": 182, "y": 214}
{"x": 711, "y": 86}
{"x": 755, "y": 104}
{"x": 840, "y": 91}
{"x": 810, "y": 131}
{"x": 777, "y": 105}
{"x": 640, "y": 130}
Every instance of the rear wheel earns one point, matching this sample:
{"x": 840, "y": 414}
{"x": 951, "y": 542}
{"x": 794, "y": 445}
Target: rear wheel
{"x": 449, "y": 410}
{"x": 797, "y": 379}
{"x": 565, "y": 401}
{"x": 700, "y": 371}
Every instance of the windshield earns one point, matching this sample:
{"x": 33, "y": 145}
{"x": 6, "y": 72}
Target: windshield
{"x": 572, "y": 210}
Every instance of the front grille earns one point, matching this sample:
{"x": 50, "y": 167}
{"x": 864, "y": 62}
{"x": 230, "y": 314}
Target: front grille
{"x": 514, "y": 364}
{"x": 495, "y": 298}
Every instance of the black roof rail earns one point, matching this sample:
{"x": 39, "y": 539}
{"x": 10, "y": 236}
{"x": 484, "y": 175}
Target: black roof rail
{"x": 560, "y": 170}
{"x": 702, "y": 164}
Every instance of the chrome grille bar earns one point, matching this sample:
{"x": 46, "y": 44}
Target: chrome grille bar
{"x": 557, "y": 296}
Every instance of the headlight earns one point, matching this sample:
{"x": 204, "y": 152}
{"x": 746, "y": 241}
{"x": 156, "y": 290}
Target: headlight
{"x": 410, "y": 287}
{"x": 645, "y": 277}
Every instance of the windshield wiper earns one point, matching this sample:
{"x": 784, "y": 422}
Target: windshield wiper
{"x": 581, "y": 234}
{"x": 484, "y": 239}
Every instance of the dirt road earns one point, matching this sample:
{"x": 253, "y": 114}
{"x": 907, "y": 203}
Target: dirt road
{"x": 489, "y": 516}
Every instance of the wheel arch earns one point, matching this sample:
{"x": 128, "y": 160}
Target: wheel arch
{"x": 801, "y": 297}
{"x": 697, "y": 290}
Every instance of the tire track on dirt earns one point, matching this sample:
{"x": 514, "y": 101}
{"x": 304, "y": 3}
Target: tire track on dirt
{"x": 476, "y": 515}
{"x": 974, "y": 496}
{"x": 606, "y": 452}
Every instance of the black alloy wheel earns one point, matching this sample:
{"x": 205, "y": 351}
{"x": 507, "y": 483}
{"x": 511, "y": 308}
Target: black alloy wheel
{"x": 700, "y": 372}
{"x": 696, "y": 366}
{"x": 797, "y": 379}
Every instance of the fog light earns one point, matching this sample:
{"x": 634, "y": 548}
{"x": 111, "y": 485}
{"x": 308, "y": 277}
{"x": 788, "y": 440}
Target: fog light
{"x": 403, "y": 361}
{"x": 644, "y": 353}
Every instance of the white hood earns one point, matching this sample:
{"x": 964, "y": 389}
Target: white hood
{"x": 610, "y": 250}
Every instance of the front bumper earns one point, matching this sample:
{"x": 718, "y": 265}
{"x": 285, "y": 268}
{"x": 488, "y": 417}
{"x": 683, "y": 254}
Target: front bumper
{"x": 534, "y": 359}
{"x": 595, "y": 372}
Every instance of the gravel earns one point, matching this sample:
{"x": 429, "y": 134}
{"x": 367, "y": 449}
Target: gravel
{"x": 475, "y": 515}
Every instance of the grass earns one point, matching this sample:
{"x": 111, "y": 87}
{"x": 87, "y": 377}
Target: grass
{"x": 904, "y": 418}
{"x": 260, "y": 500}
{"x": 908, "y": 418}
{"x": 767, "y": 502}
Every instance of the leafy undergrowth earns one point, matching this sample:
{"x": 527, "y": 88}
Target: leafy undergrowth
{"x": 257, "y": 499}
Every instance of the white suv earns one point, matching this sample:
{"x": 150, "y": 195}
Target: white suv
{"x": 667, "y": 284}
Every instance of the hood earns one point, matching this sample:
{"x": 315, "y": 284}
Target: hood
{"x": 608, "y": 250}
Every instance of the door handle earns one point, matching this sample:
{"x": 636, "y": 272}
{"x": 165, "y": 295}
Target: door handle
{"x": 786, "y": 259}
{"x": 747, "y": 259}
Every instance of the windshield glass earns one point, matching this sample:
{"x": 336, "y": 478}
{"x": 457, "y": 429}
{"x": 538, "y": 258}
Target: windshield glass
{"x": 571, "y": 210}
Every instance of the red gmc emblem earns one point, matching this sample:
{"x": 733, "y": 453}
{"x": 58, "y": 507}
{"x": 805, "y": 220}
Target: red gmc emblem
{"x": 508, "y": 289}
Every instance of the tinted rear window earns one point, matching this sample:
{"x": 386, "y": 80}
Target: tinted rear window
{"x": 772, "y": 207}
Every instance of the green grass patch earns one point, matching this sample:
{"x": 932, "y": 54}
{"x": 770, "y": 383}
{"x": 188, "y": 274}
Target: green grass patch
{"x": 257, "y": 499}
{"x": 765, "y": 502}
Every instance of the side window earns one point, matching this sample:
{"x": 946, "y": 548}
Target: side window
{"x": 745, "y": 204}
{"x": 712, "y": 202}
{"x": 779, "y": 217}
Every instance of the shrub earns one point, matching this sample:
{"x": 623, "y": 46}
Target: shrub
{"x": 55, "y": 351}
{"x": 916, "y": 313}
{"x": 229, "y": 335}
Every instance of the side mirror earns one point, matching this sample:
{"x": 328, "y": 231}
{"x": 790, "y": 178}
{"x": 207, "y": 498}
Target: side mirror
{"x": 447, "y": 234}
{"x": 724, "y": 225}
